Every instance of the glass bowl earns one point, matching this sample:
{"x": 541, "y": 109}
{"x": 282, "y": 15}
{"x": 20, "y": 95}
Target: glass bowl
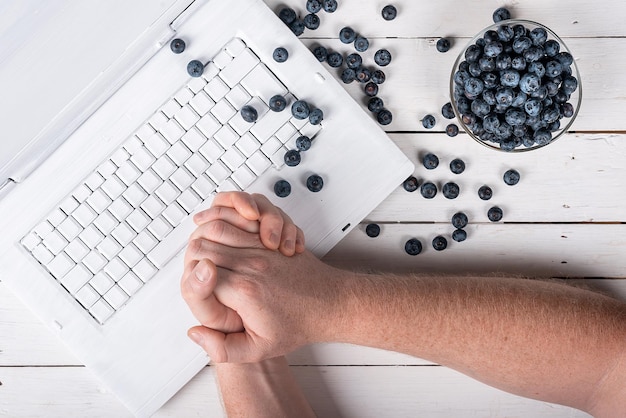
{"x": 491, "y": 114}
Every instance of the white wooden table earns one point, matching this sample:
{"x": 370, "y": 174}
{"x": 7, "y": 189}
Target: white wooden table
{"x": 565, "y": 219}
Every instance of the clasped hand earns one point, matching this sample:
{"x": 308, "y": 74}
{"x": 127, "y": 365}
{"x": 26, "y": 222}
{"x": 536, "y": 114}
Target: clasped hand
{"x": 255, "y": 290}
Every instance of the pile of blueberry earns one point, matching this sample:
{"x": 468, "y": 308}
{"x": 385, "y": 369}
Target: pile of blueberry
{"x": 514, "y": 85}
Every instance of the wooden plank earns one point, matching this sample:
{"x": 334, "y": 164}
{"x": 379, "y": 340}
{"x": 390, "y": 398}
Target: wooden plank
{"x": 333, "y": 391}
{"x": 576, "y": 179}
{"x": 446, "y": 18}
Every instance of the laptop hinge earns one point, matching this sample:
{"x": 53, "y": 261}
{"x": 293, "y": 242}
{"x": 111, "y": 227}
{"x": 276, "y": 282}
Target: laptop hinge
{"x": 185, "y": 14}
{"x": 6, "y": 186}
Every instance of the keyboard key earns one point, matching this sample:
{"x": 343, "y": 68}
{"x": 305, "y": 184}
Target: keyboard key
{"x": 81, "y": 194}
{"x": 105, "y": 222}
{"x": 98, "y": 201}
{"x": 193, "y": 139}
{"x": 119, "y": 157}
{"x": 167, "y": 192}
{"x": 130, "y": 255}
{"x": 239, "y": 67}
{"x": 113, "y": 187}
{"x": 196, "y": 165}
{"x": 211, "y": 150}
{"x": 239, "y": 125}
{"x": 174, "y": 214}
{"x": 70, "y": 228}
{"x": 183, "y": 96}
{"x": 248, "y": 145}
{"x": 157, "y": 145}
{"x": 60, "y": 265}
{"x": 128, "y": 173}
{"x": 170, "y": 108}
{"x": 158, "y": 120}
{"x": 149, "y": 181}
{"x": 261, "y": 82}
{"x": 87, "y": 296}
{"x": 181, "y": 178}
{"x": 208, "y": 125}
{"x": 55, "y": 242}
{"x": 218, "y": 172}
{"x": 130, "y": 283}
{"x": 222, "y": 59}
{"x": 42, "y": 254}
{"x": 160, "y": 228}
{"x": 244, "y": 177}
{"x": 210, "y": 71}
{"x": 226, "y": 137}
{"x": 172, "y": 131}
{"x": 116, "y": 269}
{"x": 56, "y": 217}
{"x": 116, "y": 297}
{"x": 121, "y": 208}
{"x": 101, "y": 310}
{"x": 123, "y": 234}
{"x": 94, "y": 261}
{"x": 143, "y": 159}
{"x": 145, "y": 132}
{"x": 310, "y": 130}
{"x": 235, "y": 47}
{"x": 131, "y": 146}
{"x": 94, "y": 181}
{"x": 76, "y": 278}
{"x": 186, "y": 117}
{"x": 269, "y": 124}
{"x": 228, "y": 185}
{"x": 77, "y": 250}
{"x": 188, "y": 200}
{"x": 145, "y": 270}
{"x": 238, "y": 97}
{"x": 134, "y": 196}
{"x": 145, "y": 241}
{"x": 91, "y": 236}
{"x": 109, "y": 247}
{"x": 286, "y": 132}
{"x": 101, "y": 282}
{"x": 201, "y": 103}
{"x": 216, "y": 89}
{"x": 31, "y": 240}
{"x": 196, "y": 84}
{"x": 84, "y": 214}
{"x": 203, "y": 187}
{"x": 106, "y": 169}
{"x": 223, "y": 111}
{"x": 278, "y": 158}
{"x": 233, "y": 159}
{"x": 271, "y": 146}
{"x": 43, "y": 229}
{"x": 153, "y": 206}
{"x": 179, "y": 153}
{"x": 164, "y": 167}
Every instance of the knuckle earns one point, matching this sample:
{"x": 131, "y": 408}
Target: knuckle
{"x": 194, "y": 247}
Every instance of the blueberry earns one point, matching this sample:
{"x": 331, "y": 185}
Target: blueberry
{"x": 382, "y": 57}
{"x": 457, "y": 166}
{"x": 493, "y": 49}
{"x": 428, "y": 190}
{"x": 509, "y": 78}
{"x": 413, "y": 246}
{"x": 361, "y": 44}
{"x": 303, "y": 143}
{"x": 485, "y": 193}
{"x": 501, "y": 14}
{"x": 554, "y": 69}
{"x": 363, "y": 75}
{"x": 459, "y": 235}
{"x": 372, "y": 230}
{"x": 570, "y": 84}
{"x": 177, "y": 46}
{"x": 282, "y": 188}
{"x": 375, "y": 104}
{"x": 300, "y": 109}
{"x": 347, "y": 35}
{"x": 354, "y": 61}
{"x": 533, "y": 107}
{"x": 440, "y": 243}
{"x": 494, "y": 214}
{"x": 474, "y": 87}
{"x": 511, "y": 177}
{"x": 505, "y": 33}
{"x": 280, "y": 54}
{"x": 316, "y": 116}
{"x": 542, "y": 137}
{"x": 428, "y": 122}
{"x": 278, "y": 103}
{"x": 447, "y": 111}
{"x": 443, "y": 45}
{"x": 480, "y": 108}
{"x": 522, "y": 44}
{"x": 287, "y": 15}
{"x": 539, "y": 36}
{"x": 329, "y": 5}
{"x": 335, "y": 59}
{"x": 452, "y": 130}
{"x": 249, "y": 114}
{"x": 311, "y": 21}
{"x": 313, "y": 6}
{"x": 529, "y": 83}
{"x": 389, "y": 12}
{"x": 411, "y": 184}
{"x": 537, "y": 68}
{"x": 292, "y": 158}
{"x": 297, "y": 27}
{"x": 551, "y": 48}
{"x": 314, "y": 183}
{"x": 384, "y": 117}
{"x": 459, "y": 220}
{"x": 451, "y": 190}
{"x": 371, "y": 89}
{"x": 567, "y": 110}
{"x": 195, "y": 68}
{"x": 320, "y": 53}
{"x": 378, "y": 76}
{"x": 473, "y": 53}
{"x": 430, "y": 161}
{"x": 515, "y": 117}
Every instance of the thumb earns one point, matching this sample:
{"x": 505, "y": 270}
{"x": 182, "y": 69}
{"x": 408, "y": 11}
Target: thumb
{"x": 226, "y": 348}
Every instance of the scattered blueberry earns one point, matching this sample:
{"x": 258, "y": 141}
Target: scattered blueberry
{"x": 361, "y": 44}
{"x": 389, "y": 12}
{"x": 371, "y": 89}
{"x": 287, "y": 15}
{"x": 297, "y": 27}
{"x": 430, "y": 161}
{"x": 354, "y": 61}
{"x": 459, "y": 220}
{"x": 447, "y": 111}
{"x": 316, "y": 116}
{"x": 494, "y": 214}
{"x": 314, "y": 183}
{"x": 451, "y": 190}
{"x": 334, "y": 59}
{"x": 347, "y": 35}
{"x": 372, "y": 230}
{"x": 282, "y": 188}
{"x": 292, "y": 158}
{"x": 457, "y": 166}
{"x": 443, "y": 45}
{"x": 411, "y": 184}
{"x": 375, "y": 104}
{"x": 278, "y": 103}
{"x": 378, "y": 76}
{"x": 485, "y": 193}
{"x": 300, "y": 109}
{"x": 363, "y": 75}
{"x": 313, "y": 6}
{"x": 382, "y": 57}
{"x": 303, "y": 143}
{"x": 452, "y": 130}
{"x": 428, "y": 122}
{"x": 384, "y": 116}
{"x": 459, "y": 235}
{"x": 195, "y": 68}
{"x": 280, "y": 54}
{"x": 311, "y": 21}
{"x": 413, "y": 246}
{"x": 321, "y": 53}
{"x": 177, "y": 45}
{"x": 440, "y": 243}
{"x": 501, "y": 14}
{"x": 348, "y": 75}
{"x": 330, "y": 5}
{"x": 428, "y": 190}
{"x": 511, "y": 177}
{"x": 249, "y": 114}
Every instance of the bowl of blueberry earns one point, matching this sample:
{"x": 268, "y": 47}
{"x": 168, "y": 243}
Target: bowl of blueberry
{"x": 515, "y": 87}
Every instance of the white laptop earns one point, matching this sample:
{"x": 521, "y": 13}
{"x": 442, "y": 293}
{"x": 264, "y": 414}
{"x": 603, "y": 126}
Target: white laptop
{"x": 109, "y": 146}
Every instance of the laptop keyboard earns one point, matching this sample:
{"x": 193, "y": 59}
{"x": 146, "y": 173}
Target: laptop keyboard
{"x": 132, "y": 214}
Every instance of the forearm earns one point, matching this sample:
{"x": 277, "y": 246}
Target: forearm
{"x": 537, "y": 339}
{"x": 261, "y": 389}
